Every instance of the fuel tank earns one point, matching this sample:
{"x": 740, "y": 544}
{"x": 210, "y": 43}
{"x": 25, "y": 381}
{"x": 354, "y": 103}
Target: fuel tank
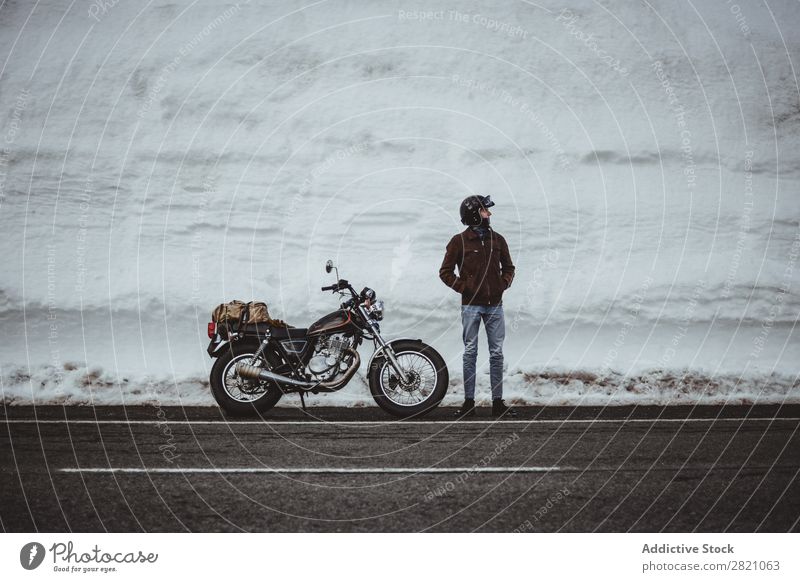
{"x": 337, "y": 321}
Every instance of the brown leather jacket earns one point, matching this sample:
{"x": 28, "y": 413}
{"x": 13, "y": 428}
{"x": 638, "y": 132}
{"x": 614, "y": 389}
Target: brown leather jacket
{"x": 485, "y": 269}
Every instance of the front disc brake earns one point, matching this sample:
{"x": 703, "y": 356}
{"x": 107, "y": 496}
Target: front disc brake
{"x": 413, "y": 382}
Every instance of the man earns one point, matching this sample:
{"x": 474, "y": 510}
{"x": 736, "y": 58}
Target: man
{"x": 485, "y": 271}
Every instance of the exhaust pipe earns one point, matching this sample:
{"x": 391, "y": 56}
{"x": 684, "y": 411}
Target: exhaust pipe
{"x": 262, "y": 374}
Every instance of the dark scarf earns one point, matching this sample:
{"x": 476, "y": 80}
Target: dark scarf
{"x": 481, "y": 230}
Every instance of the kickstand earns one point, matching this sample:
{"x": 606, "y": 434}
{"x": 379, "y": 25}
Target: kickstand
{"x": 303, "y": 401}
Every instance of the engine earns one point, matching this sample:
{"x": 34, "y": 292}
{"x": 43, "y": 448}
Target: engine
{"x": 327, "y": 360}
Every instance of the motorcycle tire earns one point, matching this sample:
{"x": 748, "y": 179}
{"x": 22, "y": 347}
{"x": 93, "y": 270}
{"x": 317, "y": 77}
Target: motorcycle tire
{"x": 387, "y": 390}
{"x": 247, "y": 404}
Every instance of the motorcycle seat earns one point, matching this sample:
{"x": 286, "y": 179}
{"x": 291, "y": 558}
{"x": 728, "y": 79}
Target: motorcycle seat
{"x": 277, "y": 332}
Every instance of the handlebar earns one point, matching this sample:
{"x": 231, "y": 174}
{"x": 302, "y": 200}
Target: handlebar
{"x": 338, "y": 286}
{"x": 344, "y": 285}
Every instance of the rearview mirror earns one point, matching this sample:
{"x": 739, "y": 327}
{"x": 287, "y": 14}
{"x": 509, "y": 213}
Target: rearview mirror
{"x": 329, "y": 266}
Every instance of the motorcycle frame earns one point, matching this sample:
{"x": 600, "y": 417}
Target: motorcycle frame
{"x": 292, "y": 360}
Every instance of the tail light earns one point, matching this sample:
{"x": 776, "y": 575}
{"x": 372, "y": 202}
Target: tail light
{"x": 212, "y": 329}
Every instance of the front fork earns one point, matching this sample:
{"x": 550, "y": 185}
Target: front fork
{"x": 387, "y": 349}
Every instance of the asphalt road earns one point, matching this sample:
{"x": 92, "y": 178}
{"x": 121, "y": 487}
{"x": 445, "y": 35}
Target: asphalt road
{"x": 556, "y": 469}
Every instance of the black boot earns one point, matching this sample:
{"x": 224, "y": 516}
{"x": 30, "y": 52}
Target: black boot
{"x": 499, "y": 408}
{"x": 467, "y": 409}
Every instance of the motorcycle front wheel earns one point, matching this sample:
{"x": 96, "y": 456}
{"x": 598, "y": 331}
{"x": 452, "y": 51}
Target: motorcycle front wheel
{"x": 239, "y": 396}
{"x": 426, "y": 374}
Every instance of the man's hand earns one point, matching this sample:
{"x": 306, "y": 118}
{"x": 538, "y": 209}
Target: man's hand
{"x": 452, "y": 256}
{"x": 508, "y": 268}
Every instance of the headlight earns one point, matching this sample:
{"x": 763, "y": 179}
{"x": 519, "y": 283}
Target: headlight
{"x": 376, "y": 309}
{"x": 368, "y": 294}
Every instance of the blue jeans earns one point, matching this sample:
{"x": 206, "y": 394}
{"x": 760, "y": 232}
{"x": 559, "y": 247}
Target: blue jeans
{"x": 495, "y": 324}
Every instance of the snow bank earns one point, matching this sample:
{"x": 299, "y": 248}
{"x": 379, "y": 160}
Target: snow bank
{"x": 74, "y": 384}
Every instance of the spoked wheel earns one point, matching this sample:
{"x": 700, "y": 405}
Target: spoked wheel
{"x": 237, "y": 395}
{"x": 426, "y": 379}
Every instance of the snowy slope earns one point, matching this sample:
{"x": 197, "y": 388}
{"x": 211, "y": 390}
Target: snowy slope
{"x": 158, "y": 159}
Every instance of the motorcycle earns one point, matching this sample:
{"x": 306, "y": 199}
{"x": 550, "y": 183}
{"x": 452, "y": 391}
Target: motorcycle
{"x": 257, "y": 363}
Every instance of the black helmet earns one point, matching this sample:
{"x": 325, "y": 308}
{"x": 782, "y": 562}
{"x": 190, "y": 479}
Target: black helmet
{"x": 470, "y": 209}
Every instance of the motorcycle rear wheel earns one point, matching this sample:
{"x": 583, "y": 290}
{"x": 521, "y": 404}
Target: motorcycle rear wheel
{"x": 237, "y": 396}
{"x": 427, "y": 374}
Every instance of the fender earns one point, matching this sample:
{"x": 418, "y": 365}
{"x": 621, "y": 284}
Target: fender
{"x": 380, "y": 349}
{"x": 215, "y": 348}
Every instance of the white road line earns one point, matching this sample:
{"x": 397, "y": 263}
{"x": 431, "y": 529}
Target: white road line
{"x": 384, "y": 423}
{"x": 312, "y": 470}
